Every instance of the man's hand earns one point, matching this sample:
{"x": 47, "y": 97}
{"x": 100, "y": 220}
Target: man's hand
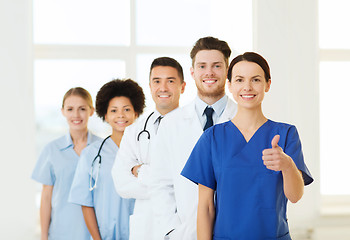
{"x": 135, "y": 170}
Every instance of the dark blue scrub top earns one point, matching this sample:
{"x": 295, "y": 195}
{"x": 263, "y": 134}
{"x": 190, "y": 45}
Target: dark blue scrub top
{"x": 249, "y": 198}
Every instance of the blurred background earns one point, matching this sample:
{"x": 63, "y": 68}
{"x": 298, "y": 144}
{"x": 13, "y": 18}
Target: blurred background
{"x": 49, "y": 46}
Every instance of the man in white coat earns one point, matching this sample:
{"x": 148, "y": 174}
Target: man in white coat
{"x": 131, "y": 168}
{"x": 176, "y": 198}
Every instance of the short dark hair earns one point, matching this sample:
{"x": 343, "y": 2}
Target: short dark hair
{"x": 211, "y": 43}
{"x": 168, "y": 62}
{"x": 250, "y": 57}
{"x": 81, "y": 92}
{"x": 120, "y": 88}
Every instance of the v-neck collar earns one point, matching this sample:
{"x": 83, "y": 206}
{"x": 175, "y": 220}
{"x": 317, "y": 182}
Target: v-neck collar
{"x": 255, "y": 133}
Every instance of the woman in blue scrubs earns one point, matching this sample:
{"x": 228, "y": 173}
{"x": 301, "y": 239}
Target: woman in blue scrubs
{"x": 55, "y": 169}
{"x": 247, "y": 168}
{"x": 106, "y": 214}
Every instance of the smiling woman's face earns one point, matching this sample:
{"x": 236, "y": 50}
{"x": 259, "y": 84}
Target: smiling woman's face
{"x": 120, "y": 113}
{"x": 77, "y": 112}
{"x": 248, "y": 84}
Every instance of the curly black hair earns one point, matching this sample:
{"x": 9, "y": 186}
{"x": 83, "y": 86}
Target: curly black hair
{"x": 120, "y": 88}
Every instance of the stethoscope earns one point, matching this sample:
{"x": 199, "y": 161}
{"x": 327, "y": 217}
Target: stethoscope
{"x": 98, "y": 156}
{"x": 144, "y": 129}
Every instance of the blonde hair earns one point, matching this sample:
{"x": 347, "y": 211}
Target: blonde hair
{"x": 81, "y": 92}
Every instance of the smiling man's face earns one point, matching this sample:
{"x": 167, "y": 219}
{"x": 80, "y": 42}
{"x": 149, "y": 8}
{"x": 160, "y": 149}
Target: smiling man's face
{"x": 166, "y": 88}
{"x": 209, "y": 72}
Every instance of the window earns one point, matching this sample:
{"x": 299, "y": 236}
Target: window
{"x": 81, "y": 22}
{"x": 53, "y": 77}
{"x": 88, "y": 43}
{"x": 334, "y": 42}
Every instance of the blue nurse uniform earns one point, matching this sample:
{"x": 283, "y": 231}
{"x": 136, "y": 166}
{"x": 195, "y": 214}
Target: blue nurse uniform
{"x": 249, "y": 198}
{"x": 56, "y": 167}
{"x": 112, "y": 211}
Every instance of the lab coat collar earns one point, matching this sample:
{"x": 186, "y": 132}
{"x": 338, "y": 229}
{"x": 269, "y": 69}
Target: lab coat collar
{"x": 229, "y": 112}
{"x": 189, "y": 111}
{"x": 152, "y": 119}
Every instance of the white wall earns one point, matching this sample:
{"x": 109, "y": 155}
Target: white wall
{"x": 285, "y": 32}
{"x": 17, "y": 214}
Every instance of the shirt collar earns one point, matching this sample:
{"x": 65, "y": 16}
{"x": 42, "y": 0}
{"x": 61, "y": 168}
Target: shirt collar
{"x": 67, "y": 141}
{"x": 155, "y": 116}
{"x": 218, "y": 106}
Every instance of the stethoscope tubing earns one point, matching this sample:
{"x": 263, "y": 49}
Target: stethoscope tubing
{"x": 98, "y": 156}
{"x": 144, "y": 128}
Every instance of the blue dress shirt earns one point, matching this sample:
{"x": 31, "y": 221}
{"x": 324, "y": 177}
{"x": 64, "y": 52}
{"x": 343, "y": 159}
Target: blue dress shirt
{"x": 218, "y": 107}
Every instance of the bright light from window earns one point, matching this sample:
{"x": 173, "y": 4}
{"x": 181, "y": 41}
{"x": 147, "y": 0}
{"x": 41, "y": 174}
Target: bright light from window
{"x": 184, "y": 22}
{"x": 334, "y": 21}
{"x": 232, "y": 21}
{"x": 53, "y": 78}
{"x": 81, "y": 22}
{"x": 158, "y": 23}
{"x": 172, "y": 23}
{"x": 334, "y": 128}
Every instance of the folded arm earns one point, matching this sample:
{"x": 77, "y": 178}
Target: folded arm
{"x": 127, "y": 185}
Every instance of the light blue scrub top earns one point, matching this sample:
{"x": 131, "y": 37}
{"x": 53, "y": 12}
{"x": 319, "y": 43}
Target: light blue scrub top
{"x": 56, "y": 166}
{"x": 249, "y": 199}
{"x": 112, "y": 211}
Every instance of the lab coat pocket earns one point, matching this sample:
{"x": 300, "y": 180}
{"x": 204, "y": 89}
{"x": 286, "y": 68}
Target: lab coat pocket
{"x": 137, "y": 227}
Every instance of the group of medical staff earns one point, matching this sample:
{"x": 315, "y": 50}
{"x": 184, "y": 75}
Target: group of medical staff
{"x": 213, "y": 169}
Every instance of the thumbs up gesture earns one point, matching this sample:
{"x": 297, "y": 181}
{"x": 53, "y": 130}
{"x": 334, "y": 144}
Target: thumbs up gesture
{"x": 274, "y": 158}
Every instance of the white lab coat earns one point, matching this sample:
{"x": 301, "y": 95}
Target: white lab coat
{"x": 131, "y": 153}
{"x": 175, "y": 198}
